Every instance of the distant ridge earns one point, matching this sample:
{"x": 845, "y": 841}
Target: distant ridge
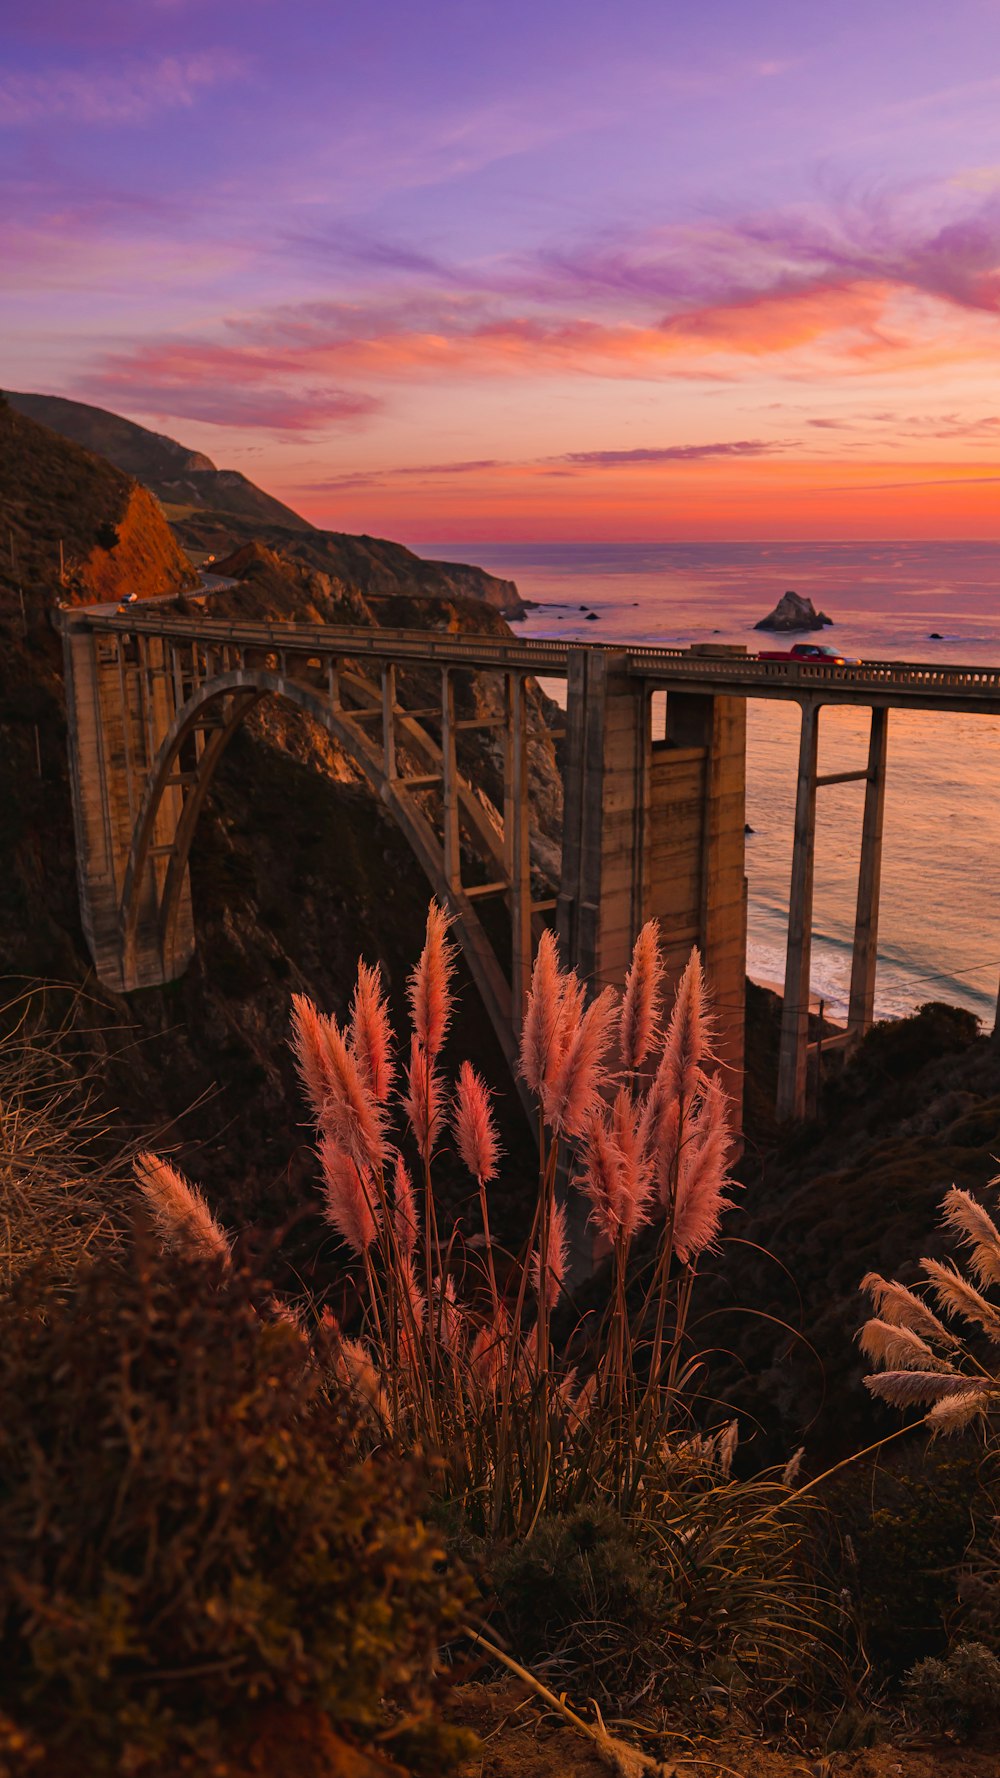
{"x": 214, "y": 512}
{"x": 180, "y": 478}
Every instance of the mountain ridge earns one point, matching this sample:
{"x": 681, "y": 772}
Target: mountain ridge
{"x": 216, "y": 511}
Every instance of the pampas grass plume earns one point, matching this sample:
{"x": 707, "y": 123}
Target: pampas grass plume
{"x": 898, "y": 1348}
{"x": 308, "y": 1047}
{"x": 688, "y": 1034}
{"x": 423, "y": 1102}
{"x": 371, "y": 1033}
{"x": 957, "y": 1413}
{"x": 475, "y": 1131}
{"x": 975, "y": 1228}
{"x": 641, "y": 1003}
{"x": 429, "y": 987}
{"x": 956, "y": 1297}
{"x": 580, "y": 1076}
{"x": 349, "y": 1202}
{"x": 701, "y": 1198}
{"x": 558, "y": 1254}
{"x": 629, "y": 1131}
{"x": 903, "y": 1308}
{"x": 404, "y": 1210}
{"x": 183, "y": 1220}
{"x": 542, "y": 1029}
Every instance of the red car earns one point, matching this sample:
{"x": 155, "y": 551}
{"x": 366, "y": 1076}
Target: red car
{"x": 819, "y": 652}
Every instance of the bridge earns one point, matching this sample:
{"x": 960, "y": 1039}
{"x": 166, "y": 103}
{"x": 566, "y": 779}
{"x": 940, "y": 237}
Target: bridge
{"x": 653, "y": 818}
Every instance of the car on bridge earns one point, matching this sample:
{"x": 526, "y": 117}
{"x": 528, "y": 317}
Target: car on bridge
{"x": 820, "y": 652}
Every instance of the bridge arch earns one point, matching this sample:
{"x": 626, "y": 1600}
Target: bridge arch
{"x": 214, "y": 712}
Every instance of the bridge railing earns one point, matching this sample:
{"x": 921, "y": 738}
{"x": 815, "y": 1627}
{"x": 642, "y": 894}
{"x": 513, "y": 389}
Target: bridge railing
{"x": 552, "y": 658}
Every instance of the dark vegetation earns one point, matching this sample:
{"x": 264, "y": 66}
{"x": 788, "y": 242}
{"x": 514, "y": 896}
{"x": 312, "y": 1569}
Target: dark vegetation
{"x": 188, "y": 1530}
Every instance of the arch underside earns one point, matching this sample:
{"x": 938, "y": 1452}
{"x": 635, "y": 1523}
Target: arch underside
{"x": 157, "y": 875}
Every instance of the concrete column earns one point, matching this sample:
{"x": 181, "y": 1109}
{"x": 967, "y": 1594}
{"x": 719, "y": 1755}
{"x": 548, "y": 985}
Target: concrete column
{"x": 389, "y": 719}
{"x": 695, "y": 857}
{"x": 862, "y": 1002}
{"x": 795, "y": 1010}
{"x": 449, "y": 784}
{"x": 517, "y": 847}
{"x": 604, "y": 818}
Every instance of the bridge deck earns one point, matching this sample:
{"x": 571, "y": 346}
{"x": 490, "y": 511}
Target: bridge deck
{"x": 883, "y": 684}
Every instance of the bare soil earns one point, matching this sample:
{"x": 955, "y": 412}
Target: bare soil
{"x": 517, "y": 1743}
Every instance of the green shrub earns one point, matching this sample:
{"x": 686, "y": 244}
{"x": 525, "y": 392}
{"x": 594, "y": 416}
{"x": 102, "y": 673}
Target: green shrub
{"x": 960, "y": 1692}
{"x": 704, "y": 1600}
{"x": 187, "y": 1526}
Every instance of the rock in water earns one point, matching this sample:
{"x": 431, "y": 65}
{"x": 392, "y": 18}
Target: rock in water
{"x": 793, "y": 612}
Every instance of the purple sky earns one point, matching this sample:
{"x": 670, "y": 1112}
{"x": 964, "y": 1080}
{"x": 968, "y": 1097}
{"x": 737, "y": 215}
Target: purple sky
{"x": 535, "y": 270}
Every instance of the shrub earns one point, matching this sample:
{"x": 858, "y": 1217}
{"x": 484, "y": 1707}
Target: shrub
{"x": 710, "y": 1599}
{"x": 61, "y": 1190}
{"x": 960, "y": 1692}
{"x": 187, "y": 1524}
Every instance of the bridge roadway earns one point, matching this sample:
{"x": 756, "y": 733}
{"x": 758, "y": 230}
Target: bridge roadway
{"x": 652, "y": 825}
{"x": 899, "y": 685}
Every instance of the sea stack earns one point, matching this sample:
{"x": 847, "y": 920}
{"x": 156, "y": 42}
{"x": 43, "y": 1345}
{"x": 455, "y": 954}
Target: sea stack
{"x": 793, "y": 612}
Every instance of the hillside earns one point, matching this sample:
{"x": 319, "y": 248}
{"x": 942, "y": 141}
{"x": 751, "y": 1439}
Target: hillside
{"x": 178, "y": 477}
{"x": 296, "y": 868}
{"x": 110, "y": 531}
{"x": 214, "y": 511}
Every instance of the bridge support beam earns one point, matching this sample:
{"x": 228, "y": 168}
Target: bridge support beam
{"x": 861, "y": 1010}
{"x": 793, "y": 1051}
{"x": 120, "y": 703}
{"x": 655, "y": 829}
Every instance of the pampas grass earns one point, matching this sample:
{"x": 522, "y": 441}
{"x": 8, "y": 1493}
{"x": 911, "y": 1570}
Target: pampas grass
{"x": 446, "y": 1358}
{"x": 927, "y": 1364}
{"x": 182, "y": 1218}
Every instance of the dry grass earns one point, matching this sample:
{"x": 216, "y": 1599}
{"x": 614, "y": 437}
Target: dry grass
{"x": 63, "y": 1182}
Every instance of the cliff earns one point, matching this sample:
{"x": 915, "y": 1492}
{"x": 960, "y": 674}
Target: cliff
{"x": 214, "y": 511}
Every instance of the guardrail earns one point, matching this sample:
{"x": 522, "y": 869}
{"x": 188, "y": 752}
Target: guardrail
{"x": 743, "y": 672}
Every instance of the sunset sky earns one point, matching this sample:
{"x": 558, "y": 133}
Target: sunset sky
{"x": 524, "y": 270}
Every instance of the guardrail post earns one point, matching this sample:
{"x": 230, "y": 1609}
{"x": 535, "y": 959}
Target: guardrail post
{"x": 792, "y": 1055}
{"x": 861, "y": 1009}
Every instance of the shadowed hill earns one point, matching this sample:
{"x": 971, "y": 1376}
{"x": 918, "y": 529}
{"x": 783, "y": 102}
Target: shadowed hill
{"x": 214, "y": 511}
{"x": 55, "y": 497}
{"x": 178, "y": 477}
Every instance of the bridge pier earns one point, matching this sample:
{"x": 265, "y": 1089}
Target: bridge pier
{"x": 655, "y": 828}
{"x": 861, "y": 1009}
{"x": 794, "y": 1046}
{"x": 120, "y": 699}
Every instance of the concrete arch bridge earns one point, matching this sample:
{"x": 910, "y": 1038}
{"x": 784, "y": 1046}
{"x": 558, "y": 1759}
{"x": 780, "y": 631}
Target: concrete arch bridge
{"x": 654, "y": 811}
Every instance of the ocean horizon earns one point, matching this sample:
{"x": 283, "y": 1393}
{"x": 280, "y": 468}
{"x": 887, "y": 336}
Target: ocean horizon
{"x": 939, "y": 935}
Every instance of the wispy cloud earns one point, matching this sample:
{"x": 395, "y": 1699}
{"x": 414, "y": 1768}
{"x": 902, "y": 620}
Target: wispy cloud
{"x": 692, "y": 453}
{"x": 108, "y": 95}
{"x": 566, "y": 462}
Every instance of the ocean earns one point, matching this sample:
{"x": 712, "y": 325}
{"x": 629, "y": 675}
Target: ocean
{"x": 939, "y": 936}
